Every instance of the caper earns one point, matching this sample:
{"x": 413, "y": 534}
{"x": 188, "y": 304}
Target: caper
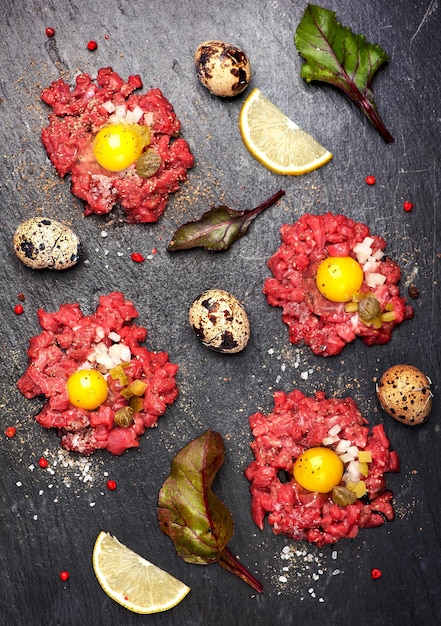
{"x": 343, "y": 496}
{"x": 148, "y": 164}
{"x": 369, "y": 308}
{"x": 124, "y": 417}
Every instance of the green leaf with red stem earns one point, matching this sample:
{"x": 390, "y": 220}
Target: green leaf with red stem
{"x": 190, "y": 513}
{"x": 218, "y": 228}
{"x": 335, "y": 55}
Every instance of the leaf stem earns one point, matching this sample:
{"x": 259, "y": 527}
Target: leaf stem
{"x": 265, "y": 205}
{"x": 375, "y": 119}
{"x": 231, "y": 564}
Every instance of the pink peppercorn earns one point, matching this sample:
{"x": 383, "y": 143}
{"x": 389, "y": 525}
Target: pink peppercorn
{"x": 370, "y": 180}
{"x": 18, "y": 309}
{"x": 92, "y": 45}
{"x": 64, "y": 575}
{"x": 111, "y": 485}
{"x": 376, "y": 573}
{"x": 137, "y": 257}
{"x": 10, "y": 432}
{"x": 43, "y": 463}
{"x": 50, "y": 32}
{"x": 408, "y": 206}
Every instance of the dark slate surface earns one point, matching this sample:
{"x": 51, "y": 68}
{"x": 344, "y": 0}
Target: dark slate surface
{"x": 49, "y": 521}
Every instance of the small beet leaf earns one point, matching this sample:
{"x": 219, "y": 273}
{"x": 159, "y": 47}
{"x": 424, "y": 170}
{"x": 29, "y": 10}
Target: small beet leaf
{"x": 190, "y": 513}
{"x": 335, "y": 55}
{"x": 218, "y": 228}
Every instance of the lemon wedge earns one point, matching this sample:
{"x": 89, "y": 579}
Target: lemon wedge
{"x": 133, "y": 582}
{"x": 276, "y": 141}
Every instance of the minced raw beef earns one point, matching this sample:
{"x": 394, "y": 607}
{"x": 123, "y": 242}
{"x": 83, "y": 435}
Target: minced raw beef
{"x": 325, "y": 326}
{"x": 299, "y": 422}
{"x": 78, "y": 114}
{"x": 109, "y": 341}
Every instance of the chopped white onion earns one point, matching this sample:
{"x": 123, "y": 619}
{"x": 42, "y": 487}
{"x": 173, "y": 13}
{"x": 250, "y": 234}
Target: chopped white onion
{"x": 133, "y": 117}
{"x": 347, "y": 457}
{"x": 371, "y": 266}
{"x": 352, "y": 472}
{"x": 342, "y": 446}
{"x": 114, "y": 336}
{"x": 120, "y": 352}
{"x": 374, "y": 279}
{"x": 148, "y": 118}
{"x": 328, "y": 441}
{"x": 121, "y": 110}
{"x": 334, "y": 430}
{"x": 363, "y": 249}
{"x": 109, "y": 106}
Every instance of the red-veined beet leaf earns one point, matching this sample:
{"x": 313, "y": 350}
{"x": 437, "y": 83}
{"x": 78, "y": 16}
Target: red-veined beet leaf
{"x": 335, "y": 55}
{"x": 190, "y": 513}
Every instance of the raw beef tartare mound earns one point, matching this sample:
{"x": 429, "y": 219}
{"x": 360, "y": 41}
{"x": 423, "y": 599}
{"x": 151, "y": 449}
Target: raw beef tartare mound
{"x": 371, "y": 312}
{"x": 300, "y": 423}
{"x": 138, "y": 384}
{"x": 147, "y": 121}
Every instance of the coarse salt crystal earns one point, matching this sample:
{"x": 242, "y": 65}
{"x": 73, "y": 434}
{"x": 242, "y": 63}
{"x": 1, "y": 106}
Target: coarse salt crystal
{"x": 336, "y": 572}
{"x": 271, "y": 351}
{"x": 19, "y": 483}
{"x": 283, "y": 579}
{"x": 304, "y": 375}
{"x": 334, "y": 554}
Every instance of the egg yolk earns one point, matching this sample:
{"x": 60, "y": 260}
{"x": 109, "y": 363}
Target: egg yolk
{"x": 87, "y": 389}
{"x": 117, "y": 146}
{"x": 318, "y": 469}
{"x": 339, "y": 277}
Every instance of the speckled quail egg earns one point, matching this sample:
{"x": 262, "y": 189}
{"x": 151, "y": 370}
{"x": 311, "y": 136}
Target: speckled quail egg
{"x": 220, "y": 321}
{"x": 44, "y": 243}
{"x": 404, "y": 393}
{"x": 222, "y": 68}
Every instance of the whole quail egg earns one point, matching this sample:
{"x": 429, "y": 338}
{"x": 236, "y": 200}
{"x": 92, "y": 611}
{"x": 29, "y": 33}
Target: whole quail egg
{"x": 44, "y": 243}
{"x": 220, "y": 321}
{"x": 404, "y": 393}
{"x": 222, "y": 68}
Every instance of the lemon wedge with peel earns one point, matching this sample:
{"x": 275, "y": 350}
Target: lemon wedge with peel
{"x": 276, "y": 141}
{"x": 133, "y": 582}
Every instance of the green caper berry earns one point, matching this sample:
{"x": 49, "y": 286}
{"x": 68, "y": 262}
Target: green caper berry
{"x": 124, "y": 417}
{"x": 369, "y": 308}
{"x": 148, "y": 164}
{"x": 343, "y": 496}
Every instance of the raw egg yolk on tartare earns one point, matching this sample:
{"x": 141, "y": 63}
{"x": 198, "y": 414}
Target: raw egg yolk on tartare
{"x": 87, "y": 389}
{"x": 318, "y": 469}
{"x": 338, "y": 278}
{"x": 117, "y": 146}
